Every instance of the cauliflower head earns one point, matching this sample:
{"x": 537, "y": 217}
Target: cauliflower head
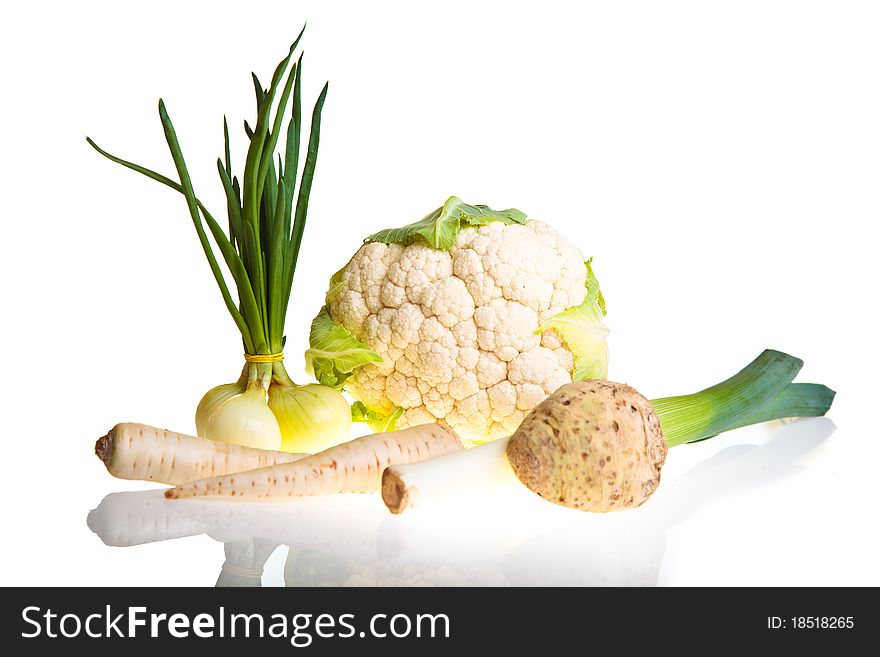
{"x": 470, "y": 317}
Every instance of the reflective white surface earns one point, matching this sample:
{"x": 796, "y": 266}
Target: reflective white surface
{"x": 718, "y": 160}
{"x": 509, "y": 538}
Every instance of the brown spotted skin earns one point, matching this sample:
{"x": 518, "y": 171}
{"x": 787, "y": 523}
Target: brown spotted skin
{"x": 141, "y": 452}
{"x": 591, "y": 445}
{"x": 352, "y": 467}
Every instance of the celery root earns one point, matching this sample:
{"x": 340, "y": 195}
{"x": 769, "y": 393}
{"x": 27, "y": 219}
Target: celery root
{"x": 353, "y": 467}
{"x": 606, "y": 447}
{"x": 142, "y": 452}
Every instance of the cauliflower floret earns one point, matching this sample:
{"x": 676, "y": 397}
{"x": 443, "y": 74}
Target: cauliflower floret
{"x": 457, "y": 329}
{"x": 464, "y": 385}
{"x": 537, "y": 365}
{"x": 506, "y": 328}
{"x": 402, "y": 390}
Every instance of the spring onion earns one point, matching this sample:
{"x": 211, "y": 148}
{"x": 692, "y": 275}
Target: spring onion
{"x": 267, "y": 211}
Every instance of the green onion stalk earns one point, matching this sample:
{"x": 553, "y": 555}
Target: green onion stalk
{"x": 266, "y": 211}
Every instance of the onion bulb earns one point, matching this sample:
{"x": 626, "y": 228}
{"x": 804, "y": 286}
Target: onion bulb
{"x": 245, "y": 419}
{"x": 266, "y": 409}
{"x": 312, "y": 417}
{"x": 214, "y": 398}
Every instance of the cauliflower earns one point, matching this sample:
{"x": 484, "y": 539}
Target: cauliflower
{"x": 470, "y": 317}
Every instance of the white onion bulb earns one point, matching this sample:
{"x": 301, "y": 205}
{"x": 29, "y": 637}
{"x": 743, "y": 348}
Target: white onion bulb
{"x": 311, "y": 417}
{"x": 245, "y": 419}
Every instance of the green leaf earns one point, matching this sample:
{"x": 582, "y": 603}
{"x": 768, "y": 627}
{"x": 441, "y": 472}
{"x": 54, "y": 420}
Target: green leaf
{"x": 233, "y": 204}
{"x": 308, "y": 175}
{"x": 262, "y": 244}
{"x": 256, "y": 167}
{"x": 734, "y": 402}
{"x": 291, "y": 150}
{"x": 272, "y": 137}
{"x": 593, "y": 291}
{"x": 305, "y": 188}
{"x": 267, "y": 207}
{"x": 258, "y": 90}
{"x": 337, "y": 284}
{"x": 378, "y": 421}
{"x": 584, "y": 332}
{"x": 334, "y": 353}
{"x": 257, "y": 277}
{"x": 440, "y": 229}
{"x": 193, "y": 205}
{"x": 226, "y": 154}
{"x": 277, "y": 294}
{"x": 238, "y": 273}
{"x": 795, "y": 400}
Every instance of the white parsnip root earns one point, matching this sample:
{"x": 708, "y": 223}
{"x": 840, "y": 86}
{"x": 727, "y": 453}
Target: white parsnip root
{"x": 353, "y": 467}
{"x": 142, "y": 452}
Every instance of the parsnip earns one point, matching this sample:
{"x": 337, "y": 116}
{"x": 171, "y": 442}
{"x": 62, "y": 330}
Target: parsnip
{"x": 353, "y": 467}
{"x": 139, "y": 451}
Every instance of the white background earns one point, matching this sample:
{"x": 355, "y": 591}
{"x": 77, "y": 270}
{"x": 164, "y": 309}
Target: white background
{"x": 720, "y": 160}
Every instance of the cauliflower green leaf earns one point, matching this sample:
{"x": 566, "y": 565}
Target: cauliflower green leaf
{"x": 593, "y": 291}
{"x": 440, "y": 228}
{"x": 337, "y": 284}
{"x": 334, "y": 353}
{"x": 583, "y": 331}
{"x": 378, "y": 421}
